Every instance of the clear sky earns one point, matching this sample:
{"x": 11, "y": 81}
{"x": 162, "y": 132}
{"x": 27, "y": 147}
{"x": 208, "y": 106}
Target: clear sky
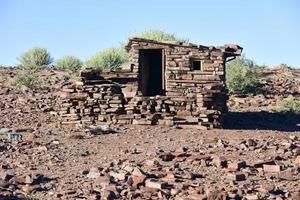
{"x": 268, "y": 30}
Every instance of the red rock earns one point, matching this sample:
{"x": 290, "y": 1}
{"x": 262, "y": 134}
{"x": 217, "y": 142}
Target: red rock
{"x": 174, "y": 191}
{"x": 236, "y": 177}
{"x": 170, "y": 177}
{"x": 214, "y": 194}
{"x": 251, "y": 197}
{"x": 17, "y": 180}
{"x": 6, "y": 174}
{"x": 181, "y": 150}
{"x": 29, "y": 188}
{"x": 296, "y": 196}
{"x": 150, "y": 183}
{"x": 94, "y": 197}
{"x": 108, "y": 195}
{"x": 267, "y": 187}
{"x": 189, "y": 176}
{"x": 251, "y": 142}
{"x": 30, "y": 137}
{"x": 118, "y": 176}
{"x": 28, "y": 179}
{"x": 180, "y": 159}
{"x": 148, "y": 192}
{"x": 287, "y": 175}
{"x": 93, "y": 173}
{"x": 297, "y": 161}
{"x": 271, "y": 168}
{"x": 219, "y": 161}
{"x": 103, "y": 181}
{"x": 137, "y": 180}
{"x": 235, "y": 166}
{"x": 112, "y": 188}
{"x": 196, "y": 197}
{"x": 138, "y": 172}
{"x": 151, "y": 163}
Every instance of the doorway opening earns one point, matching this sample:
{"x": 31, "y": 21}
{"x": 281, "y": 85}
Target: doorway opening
{"x": 151, "y": 72}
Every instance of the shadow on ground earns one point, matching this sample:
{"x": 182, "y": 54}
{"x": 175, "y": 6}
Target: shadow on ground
{"x": 262, "y": 121}
{"x": 11, "y": 198}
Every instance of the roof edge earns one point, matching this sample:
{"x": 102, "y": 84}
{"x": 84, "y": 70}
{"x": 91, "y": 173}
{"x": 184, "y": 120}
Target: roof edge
{"x": 228, "y": 49}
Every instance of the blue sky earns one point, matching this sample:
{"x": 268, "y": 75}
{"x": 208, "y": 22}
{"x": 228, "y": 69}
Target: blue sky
{"x": 269, "y": 30}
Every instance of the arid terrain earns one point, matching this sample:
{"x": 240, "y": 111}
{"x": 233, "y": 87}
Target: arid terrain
{"x": 255, "y": 156}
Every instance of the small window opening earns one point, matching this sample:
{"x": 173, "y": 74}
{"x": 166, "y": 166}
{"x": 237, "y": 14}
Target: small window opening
{"x": 196, "y": 65}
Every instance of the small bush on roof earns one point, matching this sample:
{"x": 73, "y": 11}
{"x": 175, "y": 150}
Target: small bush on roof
{"x": 158, "y": 35}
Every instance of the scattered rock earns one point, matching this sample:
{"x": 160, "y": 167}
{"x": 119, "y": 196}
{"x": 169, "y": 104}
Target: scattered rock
{"x": 236, "y": 176}
{"x": 101, "y": 129}
{"x": 259, "y": 164}
{"x": 103, "y": 181}
{"x": 93, "y": 173}
{"x": 219, "y": 161}
{"x": 271, "y": 168}
{"x": 136, "y": 181}
{"x": 236, "y": 166}
{"x": 167, "y": 157}
{"x": 297, "y": 161}
{"x": 151, "y": 183}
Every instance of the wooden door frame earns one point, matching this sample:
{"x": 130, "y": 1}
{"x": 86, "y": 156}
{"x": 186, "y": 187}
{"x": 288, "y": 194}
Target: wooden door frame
{"x": 163, "y": 71}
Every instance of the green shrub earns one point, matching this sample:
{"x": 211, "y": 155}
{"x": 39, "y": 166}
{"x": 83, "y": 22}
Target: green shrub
{"x": 69, "y": 62}
{"x": 28, "y": 80}
{"x": 241, "y": 75}
{"x": 111, "y": 58}
{"x": 288, "y": 106}
{"x": 34, "y": 58}
{"x": 159, "y": 35}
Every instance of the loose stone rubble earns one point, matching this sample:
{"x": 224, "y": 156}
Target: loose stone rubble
{"x": 208, "y": 168}
{"x": 185, "y": 173}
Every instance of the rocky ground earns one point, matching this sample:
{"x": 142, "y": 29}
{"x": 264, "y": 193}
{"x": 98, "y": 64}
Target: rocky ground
{"x": 41, "y": 160}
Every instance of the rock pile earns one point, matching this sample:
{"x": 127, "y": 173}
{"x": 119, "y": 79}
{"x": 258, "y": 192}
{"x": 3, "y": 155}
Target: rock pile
{"x": 15, "y": 183}
{"x": 89, "y": 103}
{"x": 32, "y": 107}
{"x": 274, "y": 86}
{"x": 199, "y": 173}
{"x": 208, "y": 167}
{"x": 19, "y": 186}
{"x": 281, "y": 81}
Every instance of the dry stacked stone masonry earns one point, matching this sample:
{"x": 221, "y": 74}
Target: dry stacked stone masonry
{"x": 166, "y": 83}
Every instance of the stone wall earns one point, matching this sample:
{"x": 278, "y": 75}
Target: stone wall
{"x": 192, "y": 97}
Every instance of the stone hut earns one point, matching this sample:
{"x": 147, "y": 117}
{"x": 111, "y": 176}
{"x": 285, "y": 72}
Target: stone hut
{"x": 165, "y": 83}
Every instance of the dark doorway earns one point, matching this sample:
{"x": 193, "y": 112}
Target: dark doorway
{"x": 151, "y": 81}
